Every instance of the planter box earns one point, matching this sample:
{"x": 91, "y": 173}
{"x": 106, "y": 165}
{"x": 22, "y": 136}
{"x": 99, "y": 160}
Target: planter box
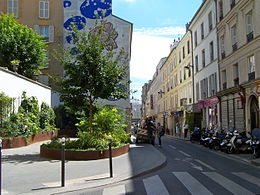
{"x": 21, "y": 141}
{"x": 83, "y": 155}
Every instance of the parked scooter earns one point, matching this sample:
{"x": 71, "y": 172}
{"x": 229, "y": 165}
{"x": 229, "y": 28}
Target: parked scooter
{"x": 225, "y": 141}
{"x": 255, "y": 142}
{"x": 239, "y": 142}
{"x": 216, "y": 140}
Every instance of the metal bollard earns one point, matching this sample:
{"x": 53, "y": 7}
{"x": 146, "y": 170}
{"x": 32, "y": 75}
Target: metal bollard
{"x": 63, "y": 162}
{"x": 110, "y": 155}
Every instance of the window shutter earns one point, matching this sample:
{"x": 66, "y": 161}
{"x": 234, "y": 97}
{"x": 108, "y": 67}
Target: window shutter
{"x": 46, "y": 14}
{"x": 51, "y": 33}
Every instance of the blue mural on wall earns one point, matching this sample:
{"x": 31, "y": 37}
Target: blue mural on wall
{"x": 79, "y": 21}
{"x": 94, "y": 9}
{"x": 67, "y": 4}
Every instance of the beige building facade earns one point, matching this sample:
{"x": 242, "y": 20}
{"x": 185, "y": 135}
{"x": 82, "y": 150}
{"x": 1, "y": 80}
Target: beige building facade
{"x": 176, "y": 91}
{"x": 239, "y": 63}
{"x": 45, "y": 17}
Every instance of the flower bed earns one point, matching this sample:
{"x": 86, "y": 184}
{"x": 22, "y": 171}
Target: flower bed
{"x": 17, "y": 142}
{"x": 82, "y": 155}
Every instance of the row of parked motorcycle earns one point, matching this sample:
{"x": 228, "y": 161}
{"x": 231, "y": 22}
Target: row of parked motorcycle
{"x": 231, "y": 141}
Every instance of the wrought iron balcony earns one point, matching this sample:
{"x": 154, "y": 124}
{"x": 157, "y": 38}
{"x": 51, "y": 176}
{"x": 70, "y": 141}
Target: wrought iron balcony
{"x": 234, "y": 47}
{"x": 250, "y": 36}
{"x": 223, "y": 55}
{"x": 251, "y": 76}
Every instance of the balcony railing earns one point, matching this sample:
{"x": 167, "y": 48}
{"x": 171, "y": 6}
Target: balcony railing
{"x": 251, "y": 76}
{"x": 234, "y": 47}
{"x": 250, "y": 36}
{"x": 223, "y": 55}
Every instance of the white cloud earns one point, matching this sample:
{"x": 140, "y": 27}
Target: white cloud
{"x": 148, "y": 47}
{"x": 164, "y": 31}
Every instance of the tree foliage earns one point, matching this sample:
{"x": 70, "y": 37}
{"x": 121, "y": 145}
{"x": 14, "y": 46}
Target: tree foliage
{"x": 20, "y": 44}
{"x": 92, "y": 71}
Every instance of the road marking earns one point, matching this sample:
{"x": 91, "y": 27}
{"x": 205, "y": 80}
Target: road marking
{"x": 184, "y": 153}
{"x": 116, "y": 190}
{"x": 154, "y": 186}
{"x": 249, "y": 178}
{"x": 205, "y": 165}
{"x": 193, "y": 185}
{"x": 227, "y": 184}
{"x": 172, "y": 147}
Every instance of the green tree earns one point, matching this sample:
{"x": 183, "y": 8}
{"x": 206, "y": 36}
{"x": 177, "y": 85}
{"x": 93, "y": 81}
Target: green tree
{"x": 20, "y": 44}
{"x": 93, "y": 70}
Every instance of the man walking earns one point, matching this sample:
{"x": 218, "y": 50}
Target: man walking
{"x": 185, "y": 127}
{"x": 160, "y": 133}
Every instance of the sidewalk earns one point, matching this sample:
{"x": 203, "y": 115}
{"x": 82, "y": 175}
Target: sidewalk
{"x": 242, "y": 157}
{"x": 142, "y": 158}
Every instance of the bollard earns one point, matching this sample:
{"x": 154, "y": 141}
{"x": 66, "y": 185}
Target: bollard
{"x": 110, "y": 155}
{"x": 63, "y": 162}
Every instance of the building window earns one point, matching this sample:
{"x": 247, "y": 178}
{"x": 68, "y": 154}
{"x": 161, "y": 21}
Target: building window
{"x": 197, "y": 91}
{"x": 210, "y": 21}
{"x": 224, "y": 79}
{"x": 195, "y": 38}
{"x": 196, "y": 63}
{"x": 232, "y": 4}
{"x": 236, "y": 74}
{"x": 212, "y": 84}
{"x": 204, "y": 88}
{"x": 220, "y": 4}
{"x": 249, "y": 26}
{"x": 203, "y": 58}
{"x": 234, "y": 37}
{"x": 46, "y": 31}
{"x": 180, "y": 57}
{"x": 222, "y": 47}
{"x": 183, "y": 52}
{"x": 188, "y": 47}
{"x": 211, "y": 49}
{"x": 180, "y": 77}
{"x": 251, "y": 67}
{"x": 44, "y": 9}
{"x": 202, "y": 30}
{"x": 184, "y": 73}
{"x": 12, "y": 7}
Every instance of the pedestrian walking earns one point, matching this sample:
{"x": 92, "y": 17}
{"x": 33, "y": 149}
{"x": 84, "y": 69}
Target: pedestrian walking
{"x": 150, "y": 127}
{"x": 185, "y": 127}
{"x": 160, "y": 133}
{"x": 178, "y": 128}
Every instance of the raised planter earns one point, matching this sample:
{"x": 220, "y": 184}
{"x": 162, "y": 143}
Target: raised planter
{"x": 82, "y": 155}
{"x": 21, "y": 141}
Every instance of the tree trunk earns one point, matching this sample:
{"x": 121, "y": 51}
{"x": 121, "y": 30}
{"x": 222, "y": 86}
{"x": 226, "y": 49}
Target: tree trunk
{"x": 90, "y": 119}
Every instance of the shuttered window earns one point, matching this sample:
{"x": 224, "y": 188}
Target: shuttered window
{"x": 12, "y": 7}
{"x": 44, "y": 9}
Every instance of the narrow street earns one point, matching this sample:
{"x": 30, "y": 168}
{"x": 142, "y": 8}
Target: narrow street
{"x": 190, "y": 169}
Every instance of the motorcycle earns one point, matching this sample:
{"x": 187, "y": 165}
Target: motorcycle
{"x": 255, "y": 142}
{"x": 239, "y": 142}
{"x": 225, "y": 141}
{"x": 216, "y": 140}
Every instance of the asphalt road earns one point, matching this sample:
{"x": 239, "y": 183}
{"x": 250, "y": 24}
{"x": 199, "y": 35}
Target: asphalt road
{"x": 190, "y": 169}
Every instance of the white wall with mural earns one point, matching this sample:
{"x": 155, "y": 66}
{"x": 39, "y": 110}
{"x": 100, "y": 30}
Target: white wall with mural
{"x": 83, "y": 14}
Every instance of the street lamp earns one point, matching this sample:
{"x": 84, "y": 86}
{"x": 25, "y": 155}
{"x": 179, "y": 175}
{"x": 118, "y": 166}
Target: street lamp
{"x": 63, "y": 162}
{"x": 109, "y": 139}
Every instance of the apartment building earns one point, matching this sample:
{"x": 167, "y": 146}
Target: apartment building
{"x": 46, "y": 17}
{"x": 239, "y": 63}
{"x": 203, "y": 27}
{"x": 175, "y": 94}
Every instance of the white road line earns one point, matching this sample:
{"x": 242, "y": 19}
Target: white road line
{"x": 184, "y": 153}
{"x": 205, "y": 165}
{"x": 193, "y": 185}
{"x": 154, "y": 186}
{"x": 249, "y": 178}
{"x": 172, "y": 147}
{"x": 116, "y": 190}
{"x": 227, "y": 184}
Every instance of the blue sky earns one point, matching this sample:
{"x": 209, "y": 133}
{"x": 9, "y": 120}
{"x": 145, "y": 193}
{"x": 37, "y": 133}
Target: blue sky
{"x": 156, "y": 24}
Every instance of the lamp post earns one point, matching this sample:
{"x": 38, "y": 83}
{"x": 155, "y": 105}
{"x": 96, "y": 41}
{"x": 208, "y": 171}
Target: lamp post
{"x": 0, "y": 166}
{"x": 109, "y": 138}
{"x": 63, "y": 162}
